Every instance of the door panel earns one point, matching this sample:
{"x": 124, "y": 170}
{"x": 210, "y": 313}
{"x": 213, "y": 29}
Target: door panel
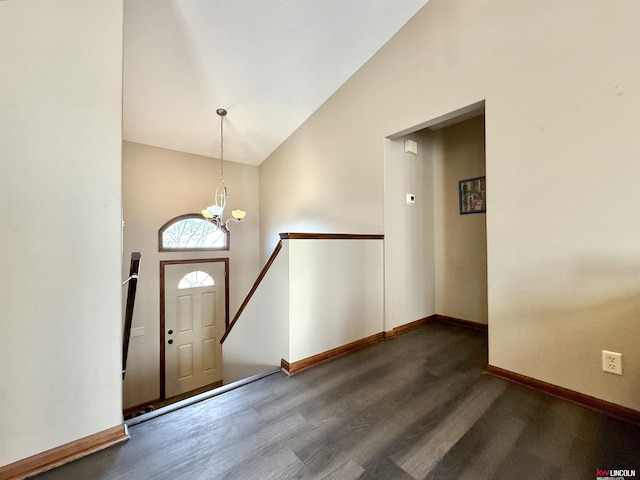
{"x": 194, "y": 323}
{"x": 208, "y": 309}
{"x": 185, "y": 313}
{"x": 185, "y": 362}
{"x": 208, "y": 355}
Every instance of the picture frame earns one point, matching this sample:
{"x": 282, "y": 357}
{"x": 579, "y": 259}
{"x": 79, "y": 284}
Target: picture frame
{"x": 472, "y": 194}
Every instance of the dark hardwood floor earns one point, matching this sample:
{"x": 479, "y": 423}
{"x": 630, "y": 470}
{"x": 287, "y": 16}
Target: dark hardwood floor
{"x": 415, "y": 407}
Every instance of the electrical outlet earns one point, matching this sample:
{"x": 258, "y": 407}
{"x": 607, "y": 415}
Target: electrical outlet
{"x": 612, "y": 362}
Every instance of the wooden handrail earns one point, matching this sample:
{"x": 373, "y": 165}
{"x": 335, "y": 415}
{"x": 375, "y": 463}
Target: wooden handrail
{"x": 331, "y": 236}
{"x": 262, "y": 274}
{"x": 132, "y": 282}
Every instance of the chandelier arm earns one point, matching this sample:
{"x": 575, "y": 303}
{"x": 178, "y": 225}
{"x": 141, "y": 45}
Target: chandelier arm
{"x": 226, "y": 224}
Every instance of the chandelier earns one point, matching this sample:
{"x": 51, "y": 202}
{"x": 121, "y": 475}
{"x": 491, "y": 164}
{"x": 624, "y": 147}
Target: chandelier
{"x": 215, "y": 212}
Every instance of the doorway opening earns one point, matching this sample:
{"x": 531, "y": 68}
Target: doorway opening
{"x": 194, "y": 313}
{"x": 435, "y": 248}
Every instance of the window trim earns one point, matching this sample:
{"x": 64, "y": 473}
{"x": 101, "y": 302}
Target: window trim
{"x": 186, "y": 216}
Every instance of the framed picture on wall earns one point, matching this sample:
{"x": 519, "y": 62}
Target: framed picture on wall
{"x": 473, "y": 195}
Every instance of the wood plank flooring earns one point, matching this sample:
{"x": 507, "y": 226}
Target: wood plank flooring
{"x": 415, "y": 407}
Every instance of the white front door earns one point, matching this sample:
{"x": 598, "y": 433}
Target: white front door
{"x": 194, "y": 323}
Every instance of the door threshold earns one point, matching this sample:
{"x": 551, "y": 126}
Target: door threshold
{"x": 157, "y": 404}
{"x": 197, "y": 398}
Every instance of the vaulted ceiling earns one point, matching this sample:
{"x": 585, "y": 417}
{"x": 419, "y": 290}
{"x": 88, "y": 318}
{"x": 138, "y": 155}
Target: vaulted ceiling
{"x": 270, "y": 63}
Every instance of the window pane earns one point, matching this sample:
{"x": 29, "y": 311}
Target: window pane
{"x": 196, "y": 279}
{"x": 193, "y": 233}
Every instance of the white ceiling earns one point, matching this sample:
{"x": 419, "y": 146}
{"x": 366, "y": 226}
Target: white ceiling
{"x": 270, "y": 63}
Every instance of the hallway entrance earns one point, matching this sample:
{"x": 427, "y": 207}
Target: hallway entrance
{"x": 435, "y": 226}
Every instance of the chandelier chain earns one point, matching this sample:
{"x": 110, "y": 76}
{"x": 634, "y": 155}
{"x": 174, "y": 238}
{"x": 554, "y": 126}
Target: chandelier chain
{"x": 214, "y": 213}
{"x": 222, "y": 149}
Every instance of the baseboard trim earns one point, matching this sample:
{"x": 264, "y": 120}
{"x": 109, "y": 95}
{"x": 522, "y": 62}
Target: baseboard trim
{"x": 285, "y": 366}
{"x": 462, "y": 323}
{"x": 66, "y": 453}
{"x": 294, "y": 368}
{"x": 407, "y": 327}
{"x": 592, "y": 403}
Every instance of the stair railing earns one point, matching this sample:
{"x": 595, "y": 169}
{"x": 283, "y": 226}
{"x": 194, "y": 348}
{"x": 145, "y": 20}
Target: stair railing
{"x": 132, "y": 283}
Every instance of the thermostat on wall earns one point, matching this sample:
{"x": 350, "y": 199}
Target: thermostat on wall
{"x": 411, "y": 199}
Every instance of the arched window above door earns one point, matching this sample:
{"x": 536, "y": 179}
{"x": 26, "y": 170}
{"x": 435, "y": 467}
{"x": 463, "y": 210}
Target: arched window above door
{"x": 195, "y": 279}
{"x": 191, "y": 232}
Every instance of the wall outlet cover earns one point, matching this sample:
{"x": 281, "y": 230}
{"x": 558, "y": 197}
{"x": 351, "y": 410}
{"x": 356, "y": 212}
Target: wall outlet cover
{"x": 612, "y": 362}
{"x": 137, "y": 331}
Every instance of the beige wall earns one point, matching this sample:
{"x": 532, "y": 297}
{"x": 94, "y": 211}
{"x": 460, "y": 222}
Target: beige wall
{"x": 562, "y": 100}
{"x": 306, "y": 305}
{"x": 60, "y": 197}
{"x": 158, "y": 185}
{"x": 323, "y": 179}
{"x": 325, "y": 310}
{"x": 460, "y": 240}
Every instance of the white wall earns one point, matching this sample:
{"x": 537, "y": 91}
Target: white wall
{"x": 460, "y": 240}
{"x": 158, "y": 185}
{"x": 260, "y": 338}
{"x": 326, "y": 311}
{"x": 562, "y": 97}
{"x": 435, "y": 258}
{"x": 60, "y": 247}
{"x": 409, "y": 249}
{"x": 306, "y": 305}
